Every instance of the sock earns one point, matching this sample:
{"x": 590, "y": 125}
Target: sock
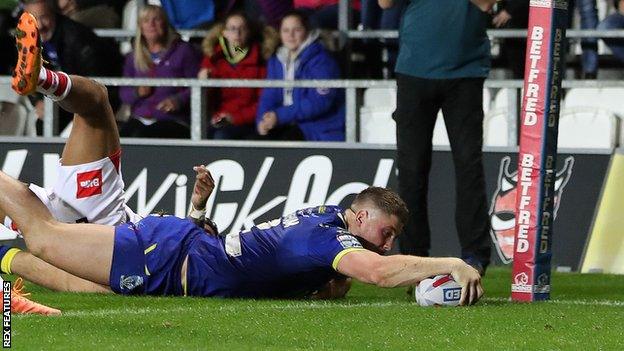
{"x": 7, "y": 254}
{"x": 55, "y": 85}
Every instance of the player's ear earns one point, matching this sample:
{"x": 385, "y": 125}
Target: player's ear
{"x": 360, "y": 215}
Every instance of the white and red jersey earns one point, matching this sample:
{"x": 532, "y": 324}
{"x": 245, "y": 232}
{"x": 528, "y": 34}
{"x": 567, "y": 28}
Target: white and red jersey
{"x": 90, "y": 193}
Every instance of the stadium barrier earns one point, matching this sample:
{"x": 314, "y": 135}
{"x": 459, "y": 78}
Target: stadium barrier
{"x": 198, "y": 103}
{"x": 121, "y": 34}
{"x": 259, "y": 181}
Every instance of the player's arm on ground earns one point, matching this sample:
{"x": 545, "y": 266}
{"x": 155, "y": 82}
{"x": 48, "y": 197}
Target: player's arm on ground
{"x": 403, "y": 270}
{"x": 336, "y": 288}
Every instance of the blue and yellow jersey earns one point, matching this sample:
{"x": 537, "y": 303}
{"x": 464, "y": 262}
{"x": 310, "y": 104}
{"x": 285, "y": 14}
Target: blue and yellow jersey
{"x": 291, "y": 256}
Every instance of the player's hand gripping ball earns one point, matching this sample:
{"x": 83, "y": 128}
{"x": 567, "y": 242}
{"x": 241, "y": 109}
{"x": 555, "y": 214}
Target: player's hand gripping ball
{"x": 441, "y": 290}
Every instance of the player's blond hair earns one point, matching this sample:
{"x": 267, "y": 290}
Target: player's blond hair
{"x": 142, "y": 58}
{"x": 385, "y": 200}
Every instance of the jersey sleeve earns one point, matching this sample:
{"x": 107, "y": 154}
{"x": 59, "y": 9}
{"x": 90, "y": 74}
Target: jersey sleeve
{"x": 330, "y": 244}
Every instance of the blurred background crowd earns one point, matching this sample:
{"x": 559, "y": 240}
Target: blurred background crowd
{"x": 255, "y": 39}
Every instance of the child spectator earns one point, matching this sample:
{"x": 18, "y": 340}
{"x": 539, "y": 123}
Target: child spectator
{"x": 235, "y": 49}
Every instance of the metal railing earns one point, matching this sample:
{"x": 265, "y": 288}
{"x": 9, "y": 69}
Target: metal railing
{"x": 198, "y": 112}
{"x": 389, "y": 34}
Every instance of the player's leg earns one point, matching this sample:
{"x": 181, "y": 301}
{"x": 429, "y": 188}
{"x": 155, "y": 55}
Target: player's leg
{"x": 94, "y": 133}
{"x": 84, "y": 250}
{"x": 42, "y": 273}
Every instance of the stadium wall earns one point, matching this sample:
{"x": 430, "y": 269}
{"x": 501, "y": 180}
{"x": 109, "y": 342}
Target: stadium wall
{"x": 261, "y": 181}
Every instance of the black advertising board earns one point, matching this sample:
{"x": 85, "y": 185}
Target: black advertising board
{"x": 258, "y": 182}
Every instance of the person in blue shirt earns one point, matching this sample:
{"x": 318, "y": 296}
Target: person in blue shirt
{"x": 444, "y": 58}
{"x": 295, "y": 256}
{"x": 313, "y": 114}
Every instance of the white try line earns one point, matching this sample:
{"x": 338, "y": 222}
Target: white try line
{"x": 609, "y": 303}
{"x": 315, "y": 305}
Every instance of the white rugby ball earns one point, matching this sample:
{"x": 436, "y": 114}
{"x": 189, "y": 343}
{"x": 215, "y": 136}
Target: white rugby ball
{"x": 441, "y": 290}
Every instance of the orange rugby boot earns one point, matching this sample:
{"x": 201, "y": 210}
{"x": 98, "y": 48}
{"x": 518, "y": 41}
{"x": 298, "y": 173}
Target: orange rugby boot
{"x": 29, "y": 60}
{"x": 22, "y": 305}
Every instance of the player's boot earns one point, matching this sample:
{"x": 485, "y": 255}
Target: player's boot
{"x": 21, "y": 304}
{"x": 29, "y": 59}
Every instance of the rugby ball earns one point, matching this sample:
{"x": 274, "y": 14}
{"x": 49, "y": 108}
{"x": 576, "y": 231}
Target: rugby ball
{"x": 441, "y": 290}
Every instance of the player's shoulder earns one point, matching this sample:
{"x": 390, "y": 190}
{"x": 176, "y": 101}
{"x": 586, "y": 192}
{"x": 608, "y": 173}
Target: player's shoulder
{"x": 331, "y": 215}
{"x": 163, "y": 219}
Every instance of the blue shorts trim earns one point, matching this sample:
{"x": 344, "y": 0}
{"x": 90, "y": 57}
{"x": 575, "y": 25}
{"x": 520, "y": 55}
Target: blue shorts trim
{"x": 127, "y": 274}
{"x": 148, "y": 255}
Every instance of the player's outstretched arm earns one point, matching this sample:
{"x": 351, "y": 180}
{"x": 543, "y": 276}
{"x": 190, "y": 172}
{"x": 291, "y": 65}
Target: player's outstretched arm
{"x": 336, "y": 288}
{"x": 403, "y": 270}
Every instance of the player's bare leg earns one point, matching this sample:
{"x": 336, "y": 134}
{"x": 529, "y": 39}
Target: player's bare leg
{"x": 84, "y": 250}
{"x": 94, "y": 133}
{"x": 44, "y": 274}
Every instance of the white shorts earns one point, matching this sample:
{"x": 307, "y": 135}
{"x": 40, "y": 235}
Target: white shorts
{"x": 87, "y": 193}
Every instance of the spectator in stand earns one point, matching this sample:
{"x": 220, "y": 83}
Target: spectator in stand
{"x": 158, "y": 112}
{"x": 589, "y": 20}
{"x": 324, "y": 13}
{"x": 235, "y": 49}
{"x": 267, "y": 11}
{"x": 7, "y": 42}
{"x": 513, "y": 14}
{"x": 615, "y": 21}
{"x": 93, "y": 14}
{"x": 189, "y": 14}
{"x": 315, "y": 114}
{"x": 71, "y": 47}
{"x": 376, "y": 18}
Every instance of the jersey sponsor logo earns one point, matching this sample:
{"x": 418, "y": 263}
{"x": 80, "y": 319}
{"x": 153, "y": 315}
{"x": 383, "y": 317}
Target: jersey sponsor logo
{"x": 348, "y": 241}
{"x": 89, "y": 183}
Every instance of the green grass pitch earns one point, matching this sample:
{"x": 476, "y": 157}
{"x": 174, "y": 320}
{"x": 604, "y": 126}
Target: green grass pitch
{"x": 586, "y": 313}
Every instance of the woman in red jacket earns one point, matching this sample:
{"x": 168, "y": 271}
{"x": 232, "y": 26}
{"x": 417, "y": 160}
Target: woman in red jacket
{"x": 235, "y": 50}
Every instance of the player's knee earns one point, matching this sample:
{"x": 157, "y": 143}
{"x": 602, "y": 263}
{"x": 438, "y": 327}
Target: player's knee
{"x": 38, "y": 237}
{"x": 102, "y": 94}
{"x": 35, "y": 247}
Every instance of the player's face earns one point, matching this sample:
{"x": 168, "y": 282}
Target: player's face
{"x": 236, "y": 31}
{"x": 292, "y": 33}
{"x": 378, "y": 228}
{"x": 153, "y": 27}
{"x": 46, "y": 20}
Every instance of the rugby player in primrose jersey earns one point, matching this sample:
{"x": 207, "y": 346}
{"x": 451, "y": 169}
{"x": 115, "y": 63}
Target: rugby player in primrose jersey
{"x": 309, "y": 252}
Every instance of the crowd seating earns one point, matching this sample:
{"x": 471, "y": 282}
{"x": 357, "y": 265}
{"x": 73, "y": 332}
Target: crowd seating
{"x": 590, "y": 118}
